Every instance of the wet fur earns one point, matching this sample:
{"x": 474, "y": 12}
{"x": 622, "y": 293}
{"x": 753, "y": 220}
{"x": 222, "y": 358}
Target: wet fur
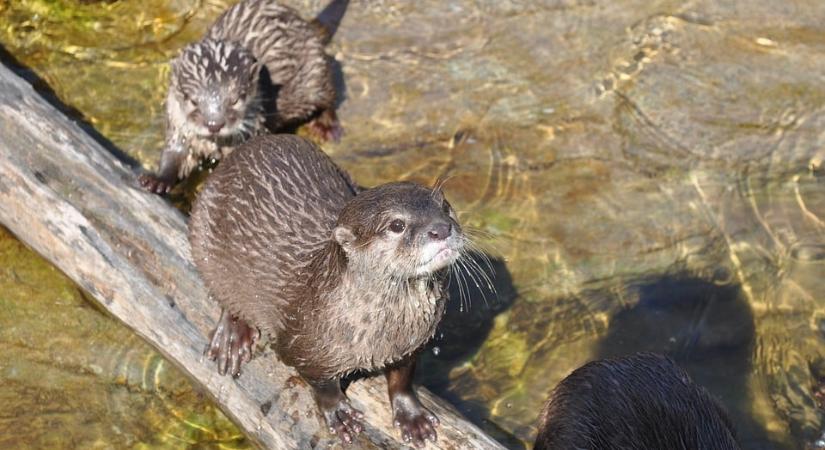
{"x": 344, "y": 279}
{"x": 291, "y": 49}
{"x": 260, "y": 220}
{"x": 643, "y": 401}
{"x": 224, "y": 70}
{"x": 262, "y": 238}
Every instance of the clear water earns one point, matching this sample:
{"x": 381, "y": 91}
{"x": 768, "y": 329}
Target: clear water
{"x": 647, "y": 175}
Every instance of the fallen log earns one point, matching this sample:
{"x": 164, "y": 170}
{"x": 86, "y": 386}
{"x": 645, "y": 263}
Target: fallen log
{"x": 73, "y": 202}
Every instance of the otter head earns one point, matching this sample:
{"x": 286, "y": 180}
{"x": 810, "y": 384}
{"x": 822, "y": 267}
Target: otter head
{"x": 215, "y": 83}
{"x": 403, "y": 230}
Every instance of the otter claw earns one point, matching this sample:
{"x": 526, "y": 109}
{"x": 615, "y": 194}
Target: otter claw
{"x": 154, "y": 184}
{"x": 326, "y": 127}
{"x": 343, "y": 420}
{"x": 417, "y": 425}
{"x": 231, "y": 344}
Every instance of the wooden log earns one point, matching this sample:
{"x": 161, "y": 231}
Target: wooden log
{"x": 72, "y": 201}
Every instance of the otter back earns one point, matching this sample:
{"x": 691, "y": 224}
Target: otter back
{"x": 643, "y": 401}
{"x": 291, "y": 48}
{"x": 261, "y": 215}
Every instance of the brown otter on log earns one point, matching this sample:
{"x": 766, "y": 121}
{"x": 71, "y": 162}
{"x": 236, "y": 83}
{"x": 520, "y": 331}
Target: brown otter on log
{"x": 214, "y": 101}
{"x": 642, "y": 401}
{"x": 344, "y": 280}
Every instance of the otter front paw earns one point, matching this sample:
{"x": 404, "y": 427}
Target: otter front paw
{"x": 155, "y": 184}
{"x": 344, "y": 420}
{"x": 232, "y": 343}
{"x": 417, "y": 423}
{"x": 326, "y": 126}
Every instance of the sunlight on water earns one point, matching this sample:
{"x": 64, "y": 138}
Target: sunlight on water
{"x": 646, "y": 176}
{"x": 73, "y": 376}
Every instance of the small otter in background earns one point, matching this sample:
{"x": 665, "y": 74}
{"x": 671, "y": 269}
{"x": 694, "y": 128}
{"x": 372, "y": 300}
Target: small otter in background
{"x": 218, "y": 96}
{"x": 345, "y": 280}
{"x": 642, "y": 401}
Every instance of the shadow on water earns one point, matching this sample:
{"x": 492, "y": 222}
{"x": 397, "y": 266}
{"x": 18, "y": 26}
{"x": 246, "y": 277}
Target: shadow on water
{"x": 708, "y": 329}
{"x": 338, "y": 81}
{"x": 461, "y": 333}
{"x": 42, "y": 87}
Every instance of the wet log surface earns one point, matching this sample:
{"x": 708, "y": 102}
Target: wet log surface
{"x": 72, "y": 201}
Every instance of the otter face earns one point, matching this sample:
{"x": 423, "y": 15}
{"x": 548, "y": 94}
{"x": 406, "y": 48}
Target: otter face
{"x": 215, "y": 86}
{"x": 402, "y": 229}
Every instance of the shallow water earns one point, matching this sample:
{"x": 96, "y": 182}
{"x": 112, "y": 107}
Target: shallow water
{"x": 646, "y": 176}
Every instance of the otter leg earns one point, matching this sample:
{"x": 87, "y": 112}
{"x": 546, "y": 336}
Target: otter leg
{"x": 167, "y": 176}
{"x": 326, "y": 126}
{"x": 231, "y": 343}
{"x": 416, "y": 422}
{"x": 342, "y": 419}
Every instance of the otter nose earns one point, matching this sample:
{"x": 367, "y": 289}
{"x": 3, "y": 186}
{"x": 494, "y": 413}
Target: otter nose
{"x": 440, "y": 231}
{"x": 215, "y": 126}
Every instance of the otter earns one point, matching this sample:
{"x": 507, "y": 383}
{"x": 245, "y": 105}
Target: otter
{"x": 220, "y": 87}
{"x": 641, "y": 401}
{"x": 343, "y": 279}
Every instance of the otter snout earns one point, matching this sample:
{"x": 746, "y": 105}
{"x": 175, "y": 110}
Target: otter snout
{"x": 440, "y": 231}
{"x": 215, "y": 125}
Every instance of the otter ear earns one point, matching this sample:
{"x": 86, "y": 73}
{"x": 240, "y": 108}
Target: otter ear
{"x": 344, "y": 237}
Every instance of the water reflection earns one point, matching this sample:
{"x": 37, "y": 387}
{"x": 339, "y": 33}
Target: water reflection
{"x": 74, "y": 377}
{"x": 631, "y": 162}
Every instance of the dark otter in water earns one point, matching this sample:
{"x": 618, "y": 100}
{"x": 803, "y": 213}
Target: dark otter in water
{"x": 345, "y": 280}
{"x": 214, "y": 101}
{"x": 642, "y": 401}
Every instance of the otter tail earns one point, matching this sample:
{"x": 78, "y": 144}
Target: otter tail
{"x": 329, "y": 18}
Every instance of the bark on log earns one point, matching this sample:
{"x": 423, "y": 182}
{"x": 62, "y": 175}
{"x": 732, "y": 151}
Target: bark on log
{"x": 72, "y": 201}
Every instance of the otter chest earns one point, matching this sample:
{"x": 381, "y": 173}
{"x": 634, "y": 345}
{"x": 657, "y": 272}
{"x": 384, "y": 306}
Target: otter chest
{"x": 383, "y": 327}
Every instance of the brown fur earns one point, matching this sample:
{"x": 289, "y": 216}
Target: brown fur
{"x": 638, "y": 402}
{"x": 260, "y": 67}
{"x": 285, "y": 245}
{"x": 248, "y": 242}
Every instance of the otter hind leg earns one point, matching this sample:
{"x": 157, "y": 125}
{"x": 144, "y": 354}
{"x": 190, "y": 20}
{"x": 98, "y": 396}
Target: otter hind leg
{"x": 231, "y": 343}
{"x": 341, "y": 418}
{"x": 416, "y": 422}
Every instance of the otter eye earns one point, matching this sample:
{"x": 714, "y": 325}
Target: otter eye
{"x": 445, "y": 207}
{"x": 236, "y": 101}
{"x": 397, "y": 226}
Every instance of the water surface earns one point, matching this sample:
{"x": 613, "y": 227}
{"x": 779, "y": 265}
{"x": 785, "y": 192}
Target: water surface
{"x": 647, "y": 175}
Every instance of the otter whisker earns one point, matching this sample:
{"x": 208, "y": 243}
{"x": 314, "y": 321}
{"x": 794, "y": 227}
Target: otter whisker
{"x": 472, "y": 231}
{"x": 474, "y": 250}
{"x": 473, "y": 256}
{"x": 463, "y": 285}
{"x": 469, "y": 273}
{"x": 482, "y": 240}
{"x": 465, "y": 290}
{"x": 453, "y": 273}
{"x": 440, "y": 182}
